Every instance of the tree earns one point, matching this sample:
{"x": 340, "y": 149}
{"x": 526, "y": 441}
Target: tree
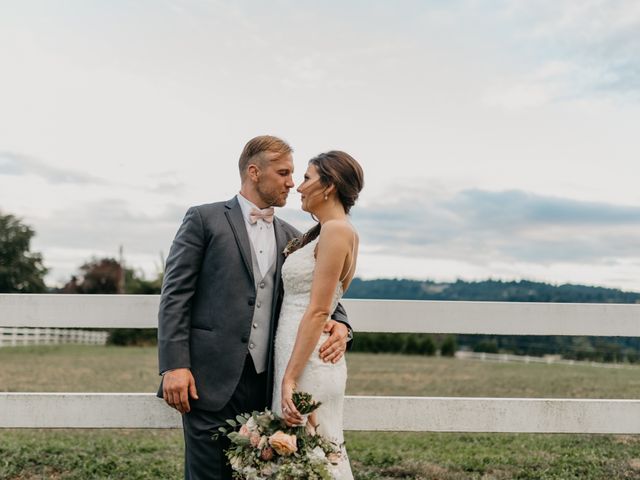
{"x": 107, "y": 276}
{"x": 449, "y": 347}
{"x": 137, "y": 284}
{"x": 21, "y": 271}
{"x": 419, "y": 344}
{"x": 101, "y": 276}
{"x": 486, "y": 346}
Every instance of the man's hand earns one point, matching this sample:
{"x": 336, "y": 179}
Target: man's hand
{"x": 177, "y": 386}
{"x": 333, "y": 349}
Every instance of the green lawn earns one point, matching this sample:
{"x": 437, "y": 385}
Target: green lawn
{"x": 75, "y": 368}
{"x": 153, "y": 454}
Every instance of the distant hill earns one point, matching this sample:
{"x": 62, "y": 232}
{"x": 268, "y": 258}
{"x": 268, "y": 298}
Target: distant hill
{"x": 487, "y": 290}
{"x": 614, "y": 349}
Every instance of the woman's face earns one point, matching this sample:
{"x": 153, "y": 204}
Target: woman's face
{"x": 311, "y": 189}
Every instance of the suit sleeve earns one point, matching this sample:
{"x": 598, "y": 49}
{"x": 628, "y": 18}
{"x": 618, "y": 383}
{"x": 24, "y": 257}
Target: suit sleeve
{"x": 340, "y": 315}
{"x": 178, "y": 287}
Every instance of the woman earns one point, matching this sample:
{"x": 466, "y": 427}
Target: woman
{"x": 316, "y": 273}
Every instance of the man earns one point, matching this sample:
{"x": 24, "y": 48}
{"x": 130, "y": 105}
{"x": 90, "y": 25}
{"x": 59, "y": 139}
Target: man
{"x": 220, "y": 302}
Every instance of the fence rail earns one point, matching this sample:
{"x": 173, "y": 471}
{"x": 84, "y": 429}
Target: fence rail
{"x": 18, "y": 336}
{"x": 417, "y": 414}
{"x": 119, "y": 410}
{"x": 547, "y": 359}
{"x": 410, "y": 316}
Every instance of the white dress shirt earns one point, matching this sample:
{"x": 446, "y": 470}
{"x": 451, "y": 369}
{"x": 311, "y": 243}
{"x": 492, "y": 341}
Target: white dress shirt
{"x": 261, "y": 235}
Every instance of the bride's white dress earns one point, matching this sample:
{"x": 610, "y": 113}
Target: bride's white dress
{"x": 325, "y": 381}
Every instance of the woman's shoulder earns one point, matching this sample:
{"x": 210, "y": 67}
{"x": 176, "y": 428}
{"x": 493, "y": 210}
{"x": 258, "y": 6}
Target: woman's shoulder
{"x": 338, "y": 228}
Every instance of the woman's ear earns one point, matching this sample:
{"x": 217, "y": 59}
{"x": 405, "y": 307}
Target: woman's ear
{"x": 330, "y": 189}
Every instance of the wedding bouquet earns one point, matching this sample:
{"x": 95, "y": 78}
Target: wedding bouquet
{"x": 264, "y": 447}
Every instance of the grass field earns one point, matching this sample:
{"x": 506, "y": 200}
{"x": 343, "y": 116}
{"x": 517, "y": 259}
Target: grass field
{"x": 147, "y": 454}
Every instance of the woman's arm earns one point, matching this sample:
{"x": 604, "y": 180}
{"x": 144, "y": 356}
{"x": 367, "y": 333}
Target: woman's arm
{"x": 334, "y": 246}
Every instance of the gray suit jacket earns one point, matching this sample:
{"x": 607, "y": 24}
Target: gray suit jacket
{"x": 208, "y": 297}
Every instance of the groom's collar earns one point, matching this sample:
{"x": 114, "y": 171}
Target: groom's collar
{"x": 235, "y": 203}
{"x": 246, "y": 205}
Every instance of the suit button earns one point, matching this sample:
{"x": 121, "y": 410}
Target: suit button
{"x": 244, "y": 339}
{"x": 255, "y": 325}
{"x": 252, "y": 302}
{"x": 258, "y": 304}
{"x": 251, "y": 345}
{"x": 261, "y": 284}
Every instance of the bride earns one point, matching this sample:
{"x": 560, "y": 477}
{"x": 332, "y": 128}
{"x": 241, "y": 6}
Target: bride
{"x": 316, "y": 273}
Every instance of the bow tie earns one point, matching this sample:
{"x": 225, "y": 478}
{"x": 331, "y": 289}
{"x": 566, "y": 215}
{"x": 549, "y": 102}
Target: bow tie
{"x": 265, "y": 214}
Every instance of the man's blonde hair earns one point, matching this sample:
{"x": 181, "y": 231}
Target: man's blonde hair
{"x": 255, "y": 148}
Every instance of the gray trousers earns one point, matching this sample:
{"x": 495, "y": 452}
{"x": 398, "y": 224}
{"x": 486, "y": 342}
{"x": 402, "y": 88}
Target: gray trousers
{"x": 204, "y": 457}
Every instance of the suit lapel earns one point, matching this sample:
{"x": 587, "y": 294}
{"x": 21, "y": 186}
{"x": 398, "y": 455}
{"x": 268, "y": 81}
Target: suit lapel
{"x": 281, "y": 243}
{"x": 236, "y": 221}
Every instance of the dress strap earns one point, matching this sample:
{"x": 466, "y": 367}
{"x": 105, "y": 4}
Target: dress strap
{"x": 353, "y": 251}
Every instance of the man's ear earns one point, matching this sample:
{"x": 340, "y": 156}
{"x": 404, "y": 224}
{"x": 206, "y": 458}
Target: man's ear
{"x": 253, "y": 172}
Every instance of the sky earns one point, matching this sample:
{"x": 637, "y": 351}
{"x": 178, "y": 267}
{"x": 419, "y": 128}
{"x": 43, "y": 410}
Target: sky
{"x": 499, "y": 139}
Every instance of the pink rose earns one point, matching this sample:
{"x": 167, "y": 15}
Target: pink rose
{"x": 244, "y": 431}
{"x": 266, "y": 454}
{"x": 282, "y": 443}
{"x": 254, "y": 439}
{"x": 311, "y": 430}
{"x": 334, "y": 457}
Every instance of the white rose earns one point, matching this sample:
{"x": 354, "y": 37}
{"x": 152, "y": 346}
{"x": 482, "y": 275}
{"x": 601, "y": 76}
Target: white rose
{"x": 252, "y": 425}
{"x": 236, "y": 462}
{"x": 317, "y": 455}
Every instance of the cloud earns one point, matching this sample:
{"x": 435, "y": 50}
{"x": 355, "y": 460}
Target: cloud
{"x": 69, "y": 237}
{"x": 106, "y": 224}
{"x": 579, "y": 49}
{"x": 20, "y": 165}
{"x": 482, "y": 227}
{"x": 515, "y": 208}
{"x": 471, "y": 232}
{"x": 164, "y": 187}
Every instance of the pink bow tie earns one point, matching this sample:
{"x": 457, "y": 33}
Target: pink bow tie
{"x": 265, "y": 214}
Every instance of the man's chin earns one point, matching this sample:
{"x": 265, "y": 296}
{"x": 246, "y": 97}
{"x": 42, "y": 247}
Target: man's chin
{"x": 279, "y": 203}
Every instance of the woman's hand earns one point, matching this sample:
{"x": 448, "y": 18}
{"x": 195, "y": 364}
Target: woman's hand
{"x": 289, "y": 411}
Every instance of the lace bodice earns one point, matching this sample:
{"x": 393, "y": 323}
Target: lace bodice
{"x": 297, "y": 277}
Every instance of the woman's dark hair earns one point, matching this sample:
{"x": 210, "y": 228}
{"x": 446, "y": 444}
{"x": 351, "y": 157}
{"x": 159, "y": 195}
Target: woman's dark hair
{"x": 345, "y": 173}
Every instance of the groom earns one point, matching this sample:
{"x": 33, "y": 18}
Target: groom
{"x": 220, "y": 301}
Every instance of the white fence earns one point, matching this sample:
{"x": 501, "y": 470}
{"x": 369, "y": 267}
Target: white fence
{"x": 17, "y": 336}
{"x": 443, "y": 414}
{"x": 547, "y": 359}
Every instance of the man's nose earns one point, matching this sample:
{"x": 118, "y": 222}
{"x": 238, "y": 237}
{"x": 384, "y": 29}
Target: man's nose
{"x": 290, "y": 183}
